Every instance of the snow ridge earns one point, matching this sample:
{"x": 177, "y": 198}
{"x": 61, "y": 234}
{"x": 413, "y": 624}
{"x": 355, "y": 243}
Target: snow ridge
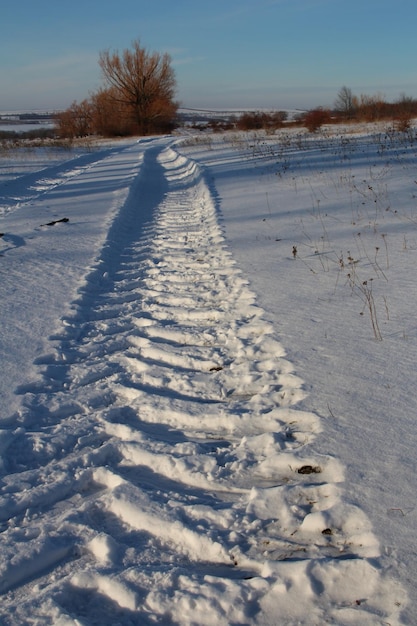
{"x": 161, "y": 471}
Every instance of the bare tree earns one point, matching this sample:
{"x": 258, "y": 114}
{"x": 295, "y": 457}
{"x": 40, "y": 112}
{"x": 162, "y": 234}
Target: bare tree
{"x": 144, "y": 82}
{"x": 345, "y": 101}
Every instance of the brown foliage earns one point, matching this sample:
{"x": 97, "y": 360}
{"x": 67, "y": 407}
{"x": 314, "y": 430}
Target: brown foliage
{"x": 314, "y": 119}
{"x": 110, "y": 117}
{"x": 371, "y": 108}
{"x": 402, "y": 122}
{"x": 137, "y": 98}
{"x": 257, "y": 120}
{"x": 76, "y": 121}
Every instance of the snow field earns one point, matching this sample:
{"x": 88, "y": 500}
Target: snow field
{"x": 160, "y": 470}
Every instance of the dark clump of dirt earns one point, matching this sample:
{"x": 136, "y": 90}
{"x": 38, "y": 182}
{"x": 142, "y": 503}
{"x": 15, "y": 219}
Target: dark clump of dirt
{"x": 63, "y": 219}
{"x": 309, "y": 469}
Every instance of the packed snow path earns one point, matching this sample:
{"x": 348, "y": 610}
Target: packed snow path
{"x": 160, "y": 472}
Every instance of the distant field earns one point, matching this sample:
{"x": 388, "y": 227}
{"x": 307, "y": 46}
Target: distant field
{"x": 25, "y": 121}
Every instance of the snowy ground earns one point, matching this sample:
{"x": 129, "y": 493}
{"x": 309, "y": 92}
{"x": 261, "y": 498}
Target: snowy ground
{"x": 208, "y": 391}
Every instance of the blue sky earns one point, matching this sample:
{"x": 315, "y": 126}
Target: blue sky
{"x": 226, "y": 53}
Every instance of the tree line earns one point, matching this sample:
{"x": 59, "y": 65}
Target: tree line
{"x": 363, "y": 108}
{"x": 347, "y": 108}
{"x": 137, "y": 98}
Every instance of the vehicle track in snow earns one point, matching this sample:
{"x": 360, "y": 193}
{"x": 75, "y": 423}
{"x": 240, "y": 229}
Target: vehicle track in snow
{"x": 162, "y": 466}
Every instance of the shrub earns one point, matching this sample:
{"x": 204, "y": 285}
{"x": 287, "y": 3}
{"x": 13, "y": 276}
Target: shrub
{"x": 256, "y": 120}
{"x": 314, "y": 119}
{"x": 402, "y": 122}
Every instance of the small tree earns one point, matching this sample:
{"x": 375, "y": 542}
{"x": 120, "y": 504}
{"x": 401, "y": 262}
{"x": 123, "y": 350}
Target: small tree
{"x": 345, "y": 102}
{"x": 144, "y": 82}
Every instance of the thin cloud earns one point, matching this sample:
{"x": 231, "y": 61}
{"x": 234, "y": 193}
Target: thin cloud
{"x": 187, "y": 60}
{"x": 77, "y": 61}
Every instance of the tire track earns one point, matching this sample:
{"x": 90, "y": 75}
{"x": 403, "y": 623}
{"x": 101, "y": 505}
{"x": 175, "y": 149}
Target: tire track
{"x": 162, "y": 464}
